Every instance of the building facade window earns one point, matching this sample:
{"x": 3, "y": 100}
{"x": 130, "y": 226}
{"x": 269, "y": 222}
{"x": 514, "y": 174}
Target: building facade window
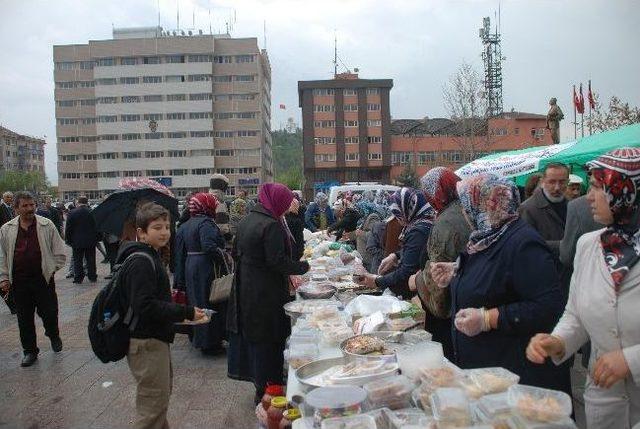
{"x": 152, "y": 98}
{"x": 350, "y": 124}
{"x": 129, "y": 80}
{"x": 153, "y": 116}
{"x": 324, "y": 108}
{"x": 176, "y": 116}
{"x": 129, "y": 118}
{"x": 374, "y": 139}
{"x": 325, "y": 157}
{"x": 106, "y": 62}
{"x": 176, "y": 97}
{"x": 152, "y": 79}
{"x": 324, "y": 140}
{"x": 200, "y": 58}
{"x": 174, "y": 79}
{"x": 352, "y": 140}
{"x": 324, "y": 91}
{"x": 324, "y": 124}
{"x": 376, "y": 156}
{"x": 131, "y": 155}
{"x": 128, "y": 61}
{"x": 351, "y": 156}
{"x": 348, "y": 91}
{"x": 177, "y": 153}
{"x": 151, "y": 60}
{"x": 373, "y": 91}
{"x": 401, "y": 158}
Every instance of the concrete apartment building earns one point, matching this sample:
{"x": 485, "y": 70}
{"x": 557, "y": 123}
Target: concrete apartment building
{"x": 429, "y": 143}
{"x": 346, "y": 127}
{"x": 177, "y": 108}
{"x": 20, "y": 152}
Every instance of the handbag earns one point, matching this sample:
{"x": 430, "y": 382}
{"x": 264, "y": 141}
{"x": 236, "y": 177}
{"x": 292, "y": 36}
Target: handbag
{"x": 221, "y": 284}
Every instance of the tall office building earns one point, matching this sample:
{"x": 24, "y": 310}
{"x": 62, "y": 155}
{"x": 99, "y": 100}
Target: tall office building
{"x": 346, "y": 127}
{"x": 150, "y": 103}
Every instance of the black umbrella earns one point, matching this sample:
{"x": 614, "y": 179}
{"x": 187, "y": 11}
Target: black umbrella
{"x": 117, "y": 208}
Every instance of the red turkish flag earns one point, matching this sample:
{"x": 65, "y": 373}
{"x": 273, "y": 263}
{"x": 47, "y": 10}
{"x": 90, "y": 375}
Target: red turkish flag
{"x": 592, "y": 101}
{"x": 282, "y": 106}
{"x": 580, "y": 106}
{"x": 576, "y": 100}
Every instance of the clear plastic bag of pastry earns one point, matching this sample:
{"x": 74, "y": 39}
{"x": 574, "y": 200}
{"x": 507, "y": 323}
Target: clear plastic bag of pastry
{"x": 450, "y": 406}
{"x": 493, "y": 380}
{"x": 392, "y": 392}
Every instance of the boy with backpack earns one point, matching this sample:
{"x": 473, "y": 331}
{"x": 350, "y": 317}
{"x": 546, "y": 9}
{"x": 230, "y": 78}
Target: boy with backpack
{"x": 146, "y": 289}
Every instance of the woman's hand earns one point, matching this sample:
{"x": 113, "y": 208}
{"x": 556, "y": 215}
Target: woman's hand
{"x": 610, "y": 368}
{"x": 198, "y": 314}
{"x": 368, "y": 280}
{"x": 442, "y": 273}
{"x": 471, "y": 321}
{"x": 412, "y": 282}
{"x": 543, "y": 346}
{"x": 388, "y": 263}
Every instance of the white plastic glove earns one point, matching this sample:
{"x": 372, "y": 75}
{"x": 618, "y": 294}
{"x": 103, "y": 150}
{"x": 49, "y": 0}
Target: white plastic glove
{"x": 471, "y": 321}
{"x": 442, "y": 273}
{"x": 387, "y": 264}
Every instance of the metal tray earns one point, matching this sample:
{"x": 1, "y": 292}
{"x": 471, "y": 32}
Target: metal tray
{"x": 391, "y": 338}
{"x": 305, "y": 372}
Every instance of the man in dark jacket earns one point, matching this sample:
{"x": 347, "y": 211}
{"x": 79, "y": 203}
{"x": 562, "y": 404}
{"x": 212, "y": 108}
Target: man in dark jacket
{"x": 146, "y": 288}
{"x": 348, "y": 223}
{"x": 81, "y": 234}
{"x": 546, "y": 210}
{"x": 51, "y": 213}
{"x": 6, "y": 208}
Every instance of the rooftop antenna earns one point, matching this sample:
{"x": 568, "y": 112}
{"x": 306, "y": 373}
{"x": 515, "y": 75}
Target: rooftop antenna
{"x": 335, "y": 53}
{"x": 158, "y": 13}
{"x": 178, "y": 14}
{"x": 264, "y": 32}
{"x": 492, "y": 59}
{"x": 193, "y": 22}
{"x": 210, "y": 30}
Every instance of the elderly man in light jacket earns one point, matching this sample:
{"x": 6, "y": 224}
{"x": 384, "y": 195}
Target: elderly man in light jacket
{"x": 31, "y": 251}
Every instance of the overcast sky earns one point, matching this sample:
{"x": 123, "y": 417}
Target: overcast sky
{"x": 549, "y": 45}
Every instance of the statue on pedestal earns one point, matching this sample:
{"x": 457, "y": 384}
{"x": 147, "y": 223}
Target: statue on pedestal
{"x": 554, "y": 117}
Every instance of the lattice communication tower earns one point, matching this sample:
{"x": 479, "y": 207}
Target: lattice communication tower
{"x": 492, "y": 59}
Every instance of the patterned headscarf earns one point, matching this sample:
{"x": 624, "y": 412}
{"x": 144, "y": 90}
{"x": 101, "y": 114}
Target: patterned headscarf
{"x": 439, "y": 187}
{"x": 368, "y": 196}
{"x": 322, "y": 200}
{"x": 491, "y": 205}
{"x": 619, "y": 173}
{"x": 238, "y": 209}
{"x": 411, "y": 208}
{"x": 203, "y": 204}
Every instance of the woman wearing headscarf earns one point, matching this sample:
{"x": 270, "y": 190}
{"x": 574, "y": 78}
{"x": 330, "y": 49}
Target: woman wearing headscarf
{"x": 448, "y": 238}
{"x": 505, "y": 286}
{"x": 348, "y": 217}
{"x": 257, "y": 321}
{"x": 199, "y": 257}
{"x": 416, "y": 217}
{"x": 604, "y": 296}
{"x": 319, "y": 215}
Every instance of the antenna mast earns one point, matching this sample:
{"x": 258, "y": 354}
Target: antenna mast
{"x": 492, "y": 59}
{"x": 178, "y": 14}
{"x": 335, "y": 54}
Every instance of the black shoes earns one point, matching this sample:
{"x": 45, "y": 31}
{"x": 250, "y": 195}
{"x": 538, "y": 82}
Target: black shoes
{"x": 56, "y": 344}
{"x": 29, "y": 359}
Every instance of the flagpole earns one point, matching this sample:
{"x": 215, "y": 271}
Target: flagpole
{"x": 590, "y": 98}
{"x": 575, "y": 118}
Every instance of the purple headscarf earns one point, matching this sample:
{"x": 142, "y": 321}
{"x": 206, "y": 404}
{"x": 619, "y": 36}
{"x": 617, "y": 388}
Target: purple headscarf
{"x": 276, "y": 199}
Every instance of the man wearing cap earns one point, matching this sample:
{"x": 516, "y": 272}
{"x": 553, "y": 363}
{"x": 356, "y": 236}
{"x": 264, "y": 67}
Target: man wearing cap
{"x": 574, "y": 188}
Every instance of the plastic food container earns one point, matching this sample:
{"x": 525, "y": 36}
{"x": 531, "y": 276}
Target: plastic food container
{"x": 360, "y": 421}
{"x": 381, "y": 417}
{"x": 337, "y": 334}
{"x": 471, "y": 389}
{"x": 304, "y": 336}
{"x": 491, "y": 407}
{"x": 539, "y": 405}
{"x": 450, "y": 405}
{"x": 400, "y": 418}
{"x": 393, "y": 393}
{"x": 422, "y": 355}
{"x": 301, "y": 354}
{"x": 446, "y": 375}
{"x": 493, "y": 380}
{"x": 335, "y": 401}
{"x": 421, "y": 397}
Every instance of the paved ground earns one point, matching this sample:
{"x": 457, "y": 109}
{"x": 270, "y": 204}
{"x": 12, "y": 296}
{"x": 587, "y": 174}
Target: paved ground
{"x": 73, "y": 389}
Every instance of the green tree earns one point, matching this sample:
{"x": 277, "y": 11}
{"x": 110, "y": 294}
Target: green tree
{"x": 408, "y": 177}
{"x": 287, "y": 156}
{"x": 31, "y": 181}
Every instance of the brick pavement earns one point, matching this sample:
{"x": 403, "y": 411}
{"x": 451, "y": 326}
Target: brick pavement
{"x": 73, "y": 389}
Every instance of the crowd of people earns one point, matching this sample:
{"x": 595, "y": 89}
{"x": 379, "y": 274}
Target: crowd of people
{"x": 521, "y": 278}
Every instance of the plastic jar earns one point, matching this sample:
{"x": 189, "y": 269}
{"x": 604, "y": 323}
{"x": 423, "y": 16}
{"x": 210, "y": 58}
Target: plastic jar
{"x": 271, "y": 392}
{"x": 275, "y": 411}
{"x": 288, "y": 417}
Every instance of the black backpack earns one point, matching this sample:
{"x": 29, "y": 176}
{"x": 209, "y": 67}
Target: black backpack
{"x": 110, "y": 321}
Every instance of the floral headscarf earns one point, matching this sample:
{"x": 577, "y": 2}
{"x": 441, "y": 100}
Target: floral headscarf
{"x": 491, "y": 205}
{"x": 203, "y": 204}
{"x": 619, "y": 173}
{"x": 439, "y": 187}
{"x": 411, "y": 208}
{"x": 238, "y": 209}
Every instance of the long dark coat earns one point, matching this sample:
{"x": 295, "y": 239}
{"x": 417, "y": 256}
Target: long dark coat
{"x": 517, "y": 275}
{"x": 264, "y": 263}
{"x": 199, "y": 243}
